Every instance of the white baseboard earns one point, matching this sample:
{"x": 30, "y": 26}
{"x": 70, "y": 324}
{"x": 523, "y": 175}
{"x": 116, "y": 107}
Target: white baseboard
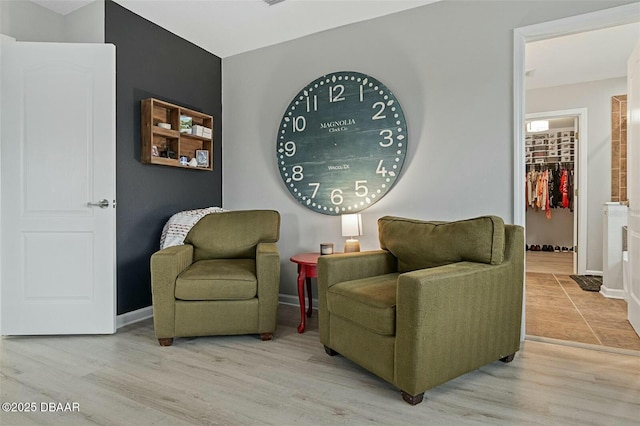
{"x": 598, "y": 273}
{"x": 612, "y": 293}
{"x": 134, "y": 316}
{"x": 144, "y": 313}
{"x": 287, "y": 299}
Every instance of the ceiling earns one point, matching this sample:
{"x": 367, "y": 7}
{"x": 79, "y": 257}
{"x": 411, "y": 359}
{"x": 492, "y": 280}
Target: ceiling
{"x": 230, "y": 27}
{"x": 62, "y": 7}
{"x": 588, "y": 56}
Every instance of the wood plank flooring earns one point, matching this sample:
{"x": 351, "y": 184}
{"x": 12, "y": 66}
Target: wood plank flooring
{"x": 549, "y": 262}
{"x": 557, "y": 308}
{"x": 128, "y": 379}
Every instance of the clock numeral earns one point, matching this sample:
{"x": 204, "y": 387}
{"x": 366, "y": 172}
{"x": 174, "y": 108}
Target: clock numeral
{"x": 381, "y": 170}
{"x": 361, "y": 189}
{"x": 297, "y": 174}
{"x": 388, "y": 137}
{"x": 299, "y": 123}
{"x": 336, "y": 92}
{"x": 313, "y": 105}
{"x": 336, "y": 197}
{"x": 378, "y": 115}
{"x": 290, "y": 149}
{"x": 315, "y": 191}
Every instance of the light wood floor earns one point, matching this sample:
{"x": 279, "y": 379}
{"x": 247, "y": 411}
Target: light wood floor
{"x": 128, "y": 379}
{"x": 557, "y": 308}
{"x": 549, "y": 262}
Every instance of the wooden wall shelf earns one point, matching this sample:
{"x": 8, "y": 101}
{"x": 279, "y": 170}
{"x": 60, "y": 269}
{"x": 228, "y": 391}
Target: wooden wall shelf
{"x": 171, "y": 144}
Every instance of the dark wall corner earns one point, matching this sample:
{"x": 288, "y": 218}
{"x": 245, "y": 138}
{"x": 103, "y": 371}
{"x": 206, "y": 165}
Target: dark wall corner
{"x": 153, "y": 62}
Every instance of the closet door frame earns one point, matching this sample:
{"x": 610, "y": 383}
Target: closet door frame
{"x": 605, "y": 18}
{"x": 580, "y": 191}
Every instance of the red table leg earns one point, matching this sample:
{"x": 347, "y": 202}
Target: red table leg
{"x": 309, "y": 296}
{"x": 302, "y": 274}
{"x": 307, "y": 269}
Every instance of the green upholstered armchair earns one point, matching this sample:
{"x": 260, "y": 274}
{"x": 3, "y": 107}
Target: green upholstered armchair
{"x": 225, "y": 279}
{"x": 438, "y": 300}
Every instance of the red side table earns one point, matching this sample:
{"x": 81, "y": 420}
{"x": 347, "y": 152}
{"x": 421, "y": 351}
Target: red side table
{"x": 307, "y": 269}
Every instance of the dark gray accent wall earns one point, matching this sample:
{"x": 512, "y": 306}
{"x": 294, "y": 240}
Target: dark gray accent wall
{"x": 153, "y": 62}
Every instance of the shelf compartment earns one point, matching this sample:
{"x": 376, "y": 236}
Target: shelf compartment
{"x": 165, "y": 132}
{"x": 166, "y": 113}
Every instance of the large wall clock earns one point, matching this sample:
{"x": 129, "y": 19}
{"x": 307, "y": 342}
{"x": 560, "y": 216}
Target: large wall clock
{"x": 341, "y": 143}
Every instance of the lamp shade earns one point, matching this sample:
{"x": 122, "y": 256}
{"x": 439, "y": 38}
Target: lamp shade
{"x": 351, "y": 225}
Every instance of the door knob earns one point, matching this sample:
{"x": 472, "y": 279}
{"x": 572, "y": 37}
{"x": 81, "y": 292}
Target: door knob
{"x": 103, "y": 204}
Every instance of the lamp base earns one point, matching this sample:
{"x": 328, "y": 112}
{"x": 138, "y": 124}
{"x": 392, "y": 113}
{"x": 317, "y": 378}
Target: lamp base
{"x": 351, "y": 246}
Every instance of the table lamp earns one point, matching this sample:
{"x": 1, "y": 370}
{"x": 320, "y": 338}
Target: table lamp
{"x": 351, "y": 227}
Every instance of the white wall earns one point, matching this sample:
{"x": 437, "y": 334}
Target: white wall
{"x": 85, "y": 25}
{"x": 450, "y": 64}
{"x": 557, "y": 231}
{"x": 596, "y": 97}
{"x": 27, "y": 21}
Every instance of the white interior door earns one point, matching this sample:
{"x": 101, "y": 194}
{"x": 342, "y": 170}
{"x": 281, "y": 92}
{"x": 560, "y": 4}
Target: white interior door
{"x": 58, "y": 155}
{"x": 633, "y": 186}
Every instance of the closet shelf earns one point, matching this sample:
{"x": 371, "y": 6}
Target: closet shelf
{"x": 552, "y": 147}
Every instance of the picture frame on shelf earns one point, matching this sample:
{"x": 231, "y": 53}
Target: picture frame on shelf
{"x": 186, "y": 123}
{"x": 202, "y": 157}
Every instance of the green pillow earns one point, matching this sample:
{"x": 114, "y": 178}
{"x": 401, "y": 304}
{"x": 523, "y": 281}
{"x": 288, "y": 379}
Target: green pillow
{"x": 420, "y": 244}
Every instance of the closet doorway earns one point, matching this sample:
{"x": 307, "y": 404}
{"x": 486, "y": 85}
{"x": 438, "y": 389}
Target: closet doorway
{"x": 555, "y": 170}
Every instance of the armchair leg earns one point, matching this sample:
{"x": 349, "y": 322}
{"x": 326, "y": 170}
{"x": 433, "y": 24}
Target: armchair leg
{"x": 266, "y": 336}
{"x": 330, "y": 351}
{"x": 412, "y": 399}
{"x": 165, "y": 341}
{"x": 508, "y": 358}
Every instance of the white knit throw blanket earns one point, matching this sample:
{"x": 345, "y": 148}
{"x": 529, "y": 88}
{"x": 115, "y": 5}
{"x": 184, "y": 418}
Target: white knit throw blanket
{"x": 179, "y": 225}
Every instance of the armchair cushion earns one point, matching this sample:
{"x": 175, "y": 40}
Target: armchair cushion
{"x": 218, "y": 279}
{"x": 233, "y": 234}
{"x": 419, "y": 244}
{"x": 368, "y": 302}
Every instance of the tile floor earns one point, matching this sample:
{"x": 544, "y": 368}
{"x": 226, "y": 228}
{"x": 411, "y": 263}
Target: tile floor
{"x": 557, "y": 308}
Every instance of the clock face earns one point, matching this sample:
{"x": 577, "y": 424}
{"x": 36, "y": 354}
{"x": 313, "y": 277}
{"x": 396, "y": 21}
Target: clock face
{"x": 341, "y": 143}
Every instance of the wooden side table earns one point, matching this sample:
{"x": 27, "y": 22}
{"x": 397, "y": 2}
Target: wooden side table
{"x": 307, "y": 269}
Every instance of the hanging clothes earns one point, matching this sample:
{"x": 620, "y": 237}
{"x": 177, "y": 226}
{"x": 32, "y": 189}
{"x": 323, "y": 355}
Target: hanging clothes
{"x": 570, "y": 190}
{"x": 546, "y": 204}
{"x": 564, "y": 188}
{"x": 530, "y": 185}
{"x": 556, "y": 192}
{"x": 526, "y": 191}
{"x": 540, "y": 192}
{"x": 549, "y": 189}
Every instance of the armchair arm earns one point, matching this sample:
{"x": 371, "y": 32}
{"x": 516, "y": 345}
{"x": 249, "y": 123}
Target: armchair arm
{"x": 268, "y": 275}
{"x": 352, "y": 266}
{"x": 453, "y": 319}
{"x": 346, "y": 267}
{"x": 166, "y": 265}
